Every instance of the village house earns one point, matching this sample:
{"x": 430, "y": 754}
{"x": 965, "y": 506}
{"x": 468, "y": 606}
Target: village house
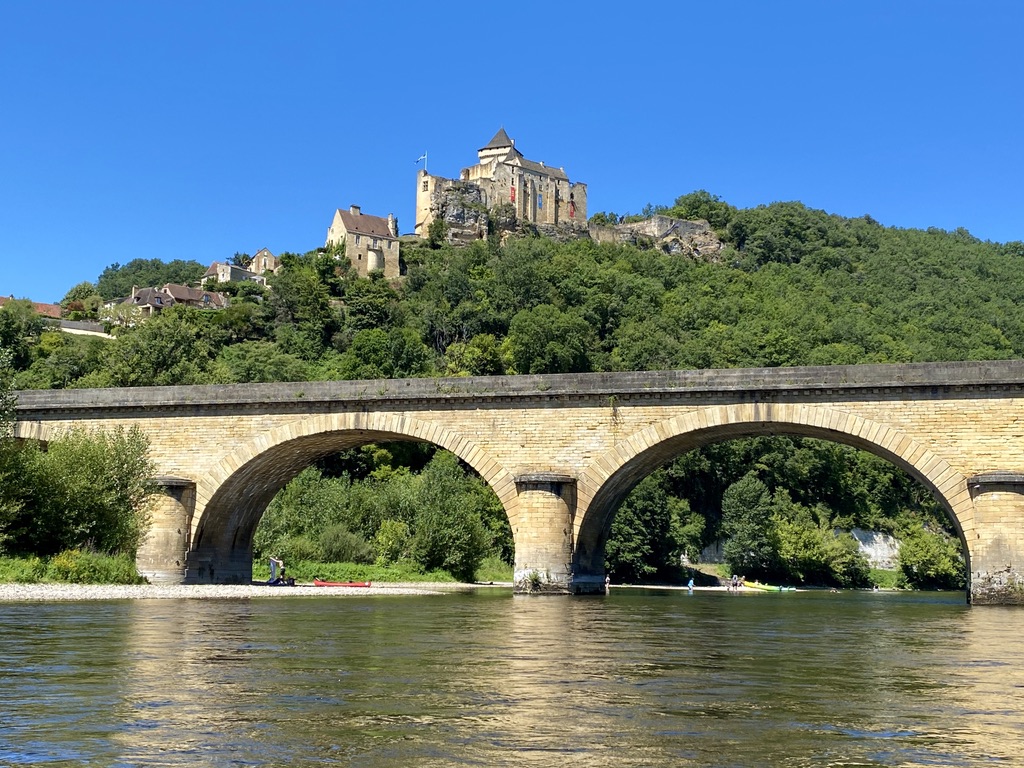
{"x": 264, "y": 261}
{"x": 151, "y": 301}
{"x": 371, "y": 242}
{"x": 222, "y": 272}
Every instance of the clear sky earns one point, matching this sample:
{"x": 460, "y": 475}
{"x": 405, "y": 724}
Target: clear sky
{"x": 193, "y": 129}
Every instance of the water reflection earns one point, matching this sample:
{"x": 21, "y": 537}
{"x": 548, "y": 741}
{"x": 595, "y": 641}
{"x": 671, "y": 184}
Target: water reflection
{"x": 653, "y": 679}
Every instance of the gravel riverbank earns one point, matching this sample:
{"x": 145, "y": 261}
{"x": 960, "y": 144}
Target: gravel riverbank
{"x": 56, "y": 592}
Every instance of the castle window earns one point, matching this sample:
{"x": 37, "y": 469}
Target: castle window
{"x": 424, "y": 185}
{"x": 540, "y": 200}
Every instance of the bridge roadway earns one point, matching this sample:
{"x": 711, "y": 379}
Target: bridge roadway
{"x": 561, "y": 451}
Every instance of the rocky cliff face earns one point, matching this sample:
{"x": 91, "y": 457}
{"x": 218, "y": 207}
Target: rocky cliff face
{"x": 694, "y": 239}
{"x": 466, "y": 218}
{"x": 460, "y": 205}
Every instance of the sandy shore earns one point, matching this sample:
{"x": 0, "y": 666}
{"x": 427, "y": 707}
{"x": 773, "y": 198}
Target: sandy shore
{"x": 55, "y": 592}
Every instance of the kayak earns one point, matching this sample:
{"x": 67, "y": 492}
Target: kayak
{"x": 767, "y": 587}
{"x": 319, "y": 583}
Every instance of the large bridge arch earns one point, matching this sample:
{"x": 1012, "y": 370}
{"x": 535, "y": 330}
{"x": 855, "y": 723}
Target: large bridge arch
{"x": 607, "y": 481}
{"x": 232, "y": 497}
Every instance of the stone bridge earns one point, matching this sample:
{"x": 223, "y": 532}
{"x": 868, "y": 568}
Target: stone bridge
{"x": 562, "y": 451}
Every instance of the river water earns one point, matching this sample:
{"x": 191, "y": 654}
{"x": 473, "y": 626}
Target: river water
{"x": 640, "y": 678}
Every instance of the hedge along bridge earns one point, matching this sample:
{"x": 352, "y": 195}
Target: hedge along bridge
{"x": 561, "y": 451}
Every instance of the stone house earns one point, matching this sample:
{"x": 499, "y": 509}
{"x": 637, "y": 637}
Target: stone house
{"x": 264, "y": 261}
{"x": 151, "y": 301}
{"x": 539, "y": 194}
{"x": 223, "y": 272}
{"x": 371, "y": 242}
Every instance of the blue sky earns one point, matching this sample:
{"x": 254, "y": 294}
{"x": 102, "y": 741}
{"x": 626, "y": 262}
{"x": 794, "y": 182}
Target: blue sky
{"x": 181, "y": 129}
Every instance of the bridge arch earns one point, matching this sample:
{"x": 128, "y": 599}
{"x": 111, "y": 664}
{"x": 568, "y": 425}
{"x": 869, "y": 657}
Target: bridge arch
{"x": 233, "y": 495}
{"x": 607, "y": 481}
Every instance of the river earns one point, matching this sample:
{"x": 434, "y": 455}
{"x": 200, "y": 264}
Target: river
{"x": 640, "y": 678}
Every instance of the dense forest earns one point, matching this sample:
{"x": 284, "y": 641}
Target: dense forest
{"x": 792, "y": 286}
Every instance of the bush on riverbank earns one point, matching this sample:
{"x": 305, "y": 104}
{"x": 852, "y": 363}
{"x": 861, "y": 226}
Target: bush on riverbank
{"x": 72, "y": 567}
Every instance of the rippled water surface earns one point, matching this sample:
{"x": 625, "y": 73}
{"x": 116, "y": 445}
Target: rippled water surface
{"x": 641, "y": 678}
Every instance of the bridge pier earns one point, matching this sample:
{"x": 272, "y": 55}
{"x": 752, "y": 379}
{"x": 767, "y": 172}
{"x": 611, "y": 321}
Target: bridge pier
{"x": 543, "y": 533}
{"x": 161, "y": 554}
{"x": 997, "y": 541}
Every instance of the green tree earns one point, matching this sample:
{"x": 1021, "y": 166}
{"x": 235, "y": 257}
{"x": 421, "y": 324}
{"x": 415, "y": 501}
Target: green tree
{"x": 117, "y": 281}
{"x": 86, "y": 490}
{"x": 299, "y": 307}
{"x": 930, "y": 559}
{"x": 751, "y": 548}
{"x": 702, "y": 205}
{"x": 647, "y": 534}
{"x": 449, "y": 533}
{"x": 20, "y": 326}
{"x": 257, "y": 361}
{"x": 174, "y": 347}
{"x": 547, "y": 340}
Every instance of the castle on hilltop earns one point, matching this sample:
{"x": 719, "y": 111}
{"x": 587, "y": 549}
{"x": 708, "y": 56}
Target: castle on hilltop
{"x": 538, "y": 194}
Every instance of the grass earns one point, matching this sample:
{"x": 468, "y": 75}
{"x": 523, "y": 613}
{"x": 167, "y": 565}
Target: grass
{"x": 70, "y": 567}
{"x": 492, "y": 569}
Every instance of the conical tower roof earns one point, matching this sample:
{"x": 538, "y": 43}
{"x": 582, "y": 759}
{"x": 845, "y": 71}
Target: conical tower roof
{"x": 500, "y": 141}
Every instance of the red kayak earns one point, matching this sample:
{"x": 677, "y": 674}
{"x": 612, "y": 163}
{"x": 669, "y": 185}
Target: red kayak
{"x": 319, "y": 583}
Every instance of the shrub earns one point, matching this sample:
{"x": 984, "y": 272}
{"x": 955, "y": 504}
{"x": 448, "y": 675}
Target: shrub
{"x": 21, "y": 570}
{"x": 391, "y": 543}
{"x": 79, "y": 567}
{"x": 291, "y": 549}
{"x": 339, "y": 545}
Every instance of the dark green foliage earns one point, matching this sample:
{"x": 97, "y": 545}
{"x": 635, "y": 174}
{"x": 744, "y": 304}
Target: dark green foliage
{"x": 20, "y": 327}
{"x": 647, "y": 535}
{"x": 440, "y": 518}
{"x": 62, "y": 360}
{"x": 177, "y": 346}
{"x": 339, "y": 545}
{"x": 117, "y": 281}
{"x": 257, "y": 361}
{"x": 751, "y": 548}
{"x": 702, "y": 205}
{"x": 930, "y": 559}
{"x": 87, "y": 490}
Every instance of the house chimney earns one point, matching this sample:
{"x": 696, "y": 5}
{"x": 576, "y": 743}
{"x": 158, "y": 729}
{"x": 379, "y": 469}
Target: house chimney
{"x": 354, "y": 210}
{"x": 392, "y": 225}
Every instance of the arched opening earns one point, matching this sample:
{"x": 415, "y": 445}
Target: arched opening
{"x": 335, "y": 491}
{"x": 615, "y": 478}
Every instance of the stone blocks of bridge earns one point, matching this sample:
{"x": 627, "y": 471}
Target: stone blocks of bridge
{"x": 997, "y": 538}
{"x": 543, "y": 533}
{"x": 162, "y": 551}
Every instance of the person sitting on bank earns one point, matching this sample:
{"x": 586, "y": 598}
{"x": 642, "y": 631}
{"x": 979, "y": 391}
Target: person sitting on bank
{"x": 275, "y": 576}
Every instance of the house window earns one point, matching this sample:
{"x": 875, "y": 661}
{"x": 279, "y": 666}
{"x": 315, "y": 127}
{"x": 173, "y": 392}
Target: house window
{"x": 357, "y": 239}
{"x": 375, "y": 242}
